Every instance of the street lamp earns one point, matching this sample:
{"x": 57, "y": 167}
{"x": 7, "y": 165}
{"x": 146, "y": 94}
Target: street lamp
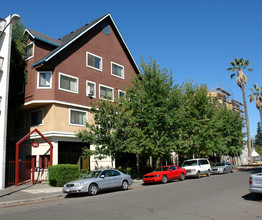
{"x": 14, "y": 18}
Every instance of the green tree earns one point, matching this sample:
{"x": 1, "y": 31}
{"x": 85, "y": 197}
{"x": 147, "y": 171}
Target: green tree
{"x": 257, "y": 93}
{"x": 109, "y": 132}
{"x": 237, "y": 67}
{"x": 258, "y": 139}
{"x": 197, "y": 132}
{"x": 152, "y": 97}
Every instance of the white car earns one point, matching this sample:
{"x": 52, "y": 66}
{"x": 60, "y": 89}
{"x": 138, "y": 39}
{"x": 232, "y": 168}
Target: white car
{"x": 255, "y": 183}
{"x": 197, "y": 167}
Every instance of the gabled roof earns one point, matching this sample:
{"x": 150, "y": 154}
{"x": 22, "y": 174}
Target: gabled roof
{"x": 65, "y": 41}
{"x": 43, "y": 37}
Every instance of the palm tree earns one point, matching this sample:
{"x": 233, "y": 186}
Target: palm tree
{"x": 257, "y": 93}
{"x": 237, "y": 67}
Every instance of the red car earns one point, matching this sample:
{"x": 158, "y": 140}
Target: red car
{"x": 164, "y": 174}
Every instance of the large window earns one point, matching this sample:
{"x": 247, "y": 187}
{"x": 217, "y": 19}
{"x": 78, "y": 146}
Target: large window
{"x": 37, "y": 117}
{"x": 117, "y": 70}
{"x": 29, "y": 52}
{"x": 91, "y": 89}
{"x": 44, "y": 80}
{"x": 106, "y": 92}
{"x": 93, "y": 61}
{"x": 77, "y": 117}
{"x": 68, "y": 83}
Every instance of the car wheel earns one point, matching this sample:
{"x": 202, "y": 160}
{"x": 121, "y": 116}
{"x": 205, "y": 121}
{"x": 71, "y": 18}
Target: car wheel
{"x": 164, "y": 179}
{"x": 124, "y": 185}
{"x": 198, "y": 175}
{"x": 92, "y": 189}
{"x": 182, "y": 176}
{"x": 208, "y": 173}
{"x": 232, "y": 171}
{"x": 224, "y": 171}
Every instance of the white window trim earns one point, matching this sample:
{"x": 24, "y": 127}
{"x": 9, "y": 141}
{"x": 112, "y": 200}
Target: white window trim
{"x": 121, "y": 77}
{"x": 121, "y": 91}
{"x": 38, "y": 77}
{"x": 92, "y": 66}
{"x": 93, "y": 96}
{"x": 69, "y": 77}
{"x": 108, "y": 88}
{"x": 32, "y": 49}
{"x": 77, "y": 110}
{"x": 41, "y": 109}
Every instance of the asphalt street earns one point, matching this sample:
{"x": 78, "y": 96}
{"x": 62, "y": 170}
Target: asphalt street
{"x": 215, "y": 197}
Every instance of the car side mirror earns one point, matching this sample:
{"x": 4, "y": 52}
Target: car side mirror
{"x": 102, "y": 176}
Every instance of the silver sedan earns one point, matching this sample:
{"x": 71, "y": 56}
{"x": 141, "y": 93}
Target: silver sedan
{"x": 222, "y": 167}
{"x": 99, "y": 180}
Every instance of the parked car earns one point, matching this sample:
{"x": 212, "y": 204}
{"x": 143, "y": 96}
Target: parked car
{"x": 222, "y": 167}
{"x": 197, "y": 167}
{"x": 98, "y": 180}
{"x": 255, "y": 183}
{"x": 164, "y": 174}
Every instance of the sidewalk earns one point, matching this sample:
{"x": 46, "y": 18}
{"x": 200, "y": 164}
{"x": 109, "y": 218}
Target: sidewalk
{"x": 28, "y": 193}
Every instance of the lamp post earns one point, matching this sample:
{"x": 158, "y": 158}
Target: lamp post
{"x": 5, "y": 54}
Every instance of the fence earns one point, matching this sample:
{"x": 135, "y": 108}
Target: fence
{"x": 29, "y": 171}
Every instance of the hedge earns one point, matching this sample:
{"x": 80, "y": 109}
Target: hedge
{"x": 61, "y": 174}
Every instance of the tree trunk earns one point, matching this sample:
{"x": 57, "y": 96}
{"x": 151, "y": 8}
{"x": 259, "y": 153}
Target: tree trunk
{"x": 247, "y": 125}
{"x": 260, "y": 111}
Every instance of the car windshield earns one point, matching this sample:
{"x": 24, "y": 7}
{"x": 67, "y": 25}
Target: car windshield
{"x": 220, "y": 164}
{"x": 189, "y": 163}
{"x": 161, "y": 169}
{"x": 92, "y": 174}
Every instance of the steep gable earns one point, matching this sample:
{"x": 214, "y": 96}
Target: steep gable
{"x": 72, "y": 37}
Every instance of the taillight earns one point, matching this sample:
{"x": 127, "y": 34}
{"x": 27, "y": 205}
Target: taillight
{"x": 250, "y": 180}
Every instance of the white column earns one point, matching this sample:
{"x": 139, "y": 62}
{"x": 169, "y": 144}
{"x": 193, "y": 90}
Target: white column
{"x": 5, "y": 53}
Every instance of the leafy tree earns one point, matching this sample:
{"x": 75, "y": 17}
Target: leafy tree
{"x": 257, "y": 93}
{"x": 151, "y": 100}
{"x": 198, "y": 108}
{"x": 108, "y": 133}
{"x": 237, "y": 67}
{"x": 258, "y": 139}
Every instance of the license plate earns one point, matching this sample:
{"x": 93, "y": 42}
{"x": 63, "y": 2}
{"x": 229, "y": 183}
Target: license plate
{"x": 67, "y": 190}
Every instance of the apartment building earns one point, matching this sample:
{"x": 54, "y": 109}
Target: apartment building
{"x": 64, "y": 76}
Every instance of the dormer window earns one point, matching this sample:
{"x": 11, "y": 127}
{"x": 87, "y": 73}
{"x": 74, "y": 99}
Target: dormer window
{"x": 93, "y": 61}
{"x": 29, "y": 51}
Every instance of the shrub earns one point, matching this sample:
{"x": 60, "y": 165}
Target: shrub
{"x": 61, "y": 174}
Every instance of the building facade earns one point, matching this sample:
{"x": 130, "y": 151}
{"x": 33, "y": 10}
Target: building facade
{"x": 64, "y": 76}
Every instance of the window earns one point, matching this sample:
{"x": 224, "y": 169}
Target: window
{"x": 68, "y": 83}
{"x": 93, "y": 61}
{"x": 37, "y": 117}
{"x": 44, "y": 80}
{"x": 117, "y": 70}
{"x": 106, "y": 93}
{"x": 91, "y": 89}
{"x": 29, "y": 52}
{"x": 78, "y": 117}
{"x": 44, "y": 161}
{"x": 121, "y": 94}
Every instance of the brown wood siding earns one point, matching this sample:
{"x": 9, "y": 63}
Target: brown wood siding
{"x": 72, "y": 61}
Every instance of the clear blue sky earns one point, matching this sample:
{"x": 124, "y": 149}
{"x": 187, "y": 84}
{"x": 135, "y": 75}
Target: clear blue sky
{"x": 196, "y": 39}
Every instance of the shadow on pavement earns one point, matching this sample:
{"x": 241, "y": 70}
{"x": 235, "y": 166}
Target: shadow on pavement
{"x": 253, "y": 197}
{"x": 20, "y": 188}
